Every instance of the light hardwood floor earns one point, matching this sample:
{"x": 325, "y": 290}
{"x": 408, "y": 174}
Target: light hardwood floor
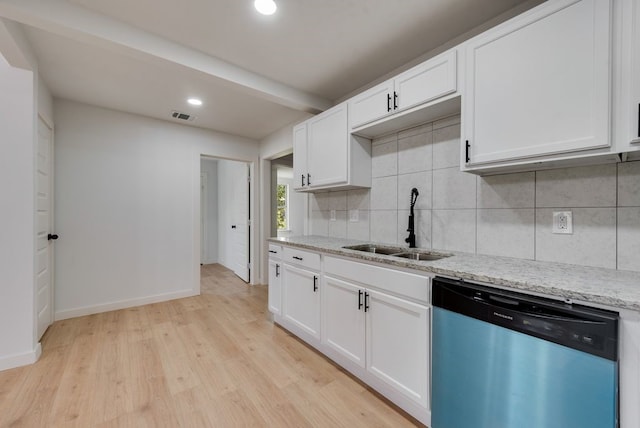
{"x": 214, "y": 360}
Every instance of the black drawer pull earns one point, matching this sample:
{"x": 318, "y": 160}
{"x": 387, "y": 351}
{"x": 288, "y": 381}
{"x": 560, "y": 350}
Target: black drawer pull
{"x": 302, "y": 180}
{"x": 388, "y": 102}
{"x": 395, "y": 100}
{"x": 360, "y": 299}
{"x": 297, "y": 258}
{"x": 366, "y": 301}
{"x": 315, "y": 283}
{"x": 273, "y": 252}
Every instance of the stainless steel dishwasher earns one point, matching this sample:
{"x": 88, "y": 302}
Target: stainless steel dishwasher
{"x": 508, "y": 360}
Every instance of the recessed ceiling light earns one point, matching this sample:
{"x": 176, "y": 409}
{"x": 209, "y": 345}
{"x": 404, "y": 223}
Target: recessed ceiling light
{"x": 265, "y": 7}
{"x": 194, "y": 101}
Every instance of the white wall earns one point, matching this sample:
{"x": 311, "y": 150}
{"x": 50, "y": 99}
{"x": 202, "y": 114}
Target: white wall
{"x": 17, "y": 172}
{"x": 23, "y": 96}
{"x": 128, "y": 207}
{"x": 210, "y": 167}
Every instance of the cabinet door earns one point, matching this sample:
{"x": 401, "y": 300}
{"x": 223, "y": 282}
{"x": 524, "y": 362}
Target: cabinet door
{"x": 328, "y": 147}
{"x": 371, "y": 105}
{"x": 398, "y": 345}
{"x": 629, "y": 370}
{"x": 540, "y": 83}
{"x": 275, "y": 295}
{"x": 343, "y": 319}
{"x": 426, "y": 82}
{"x": 300, "y": 156}
{"x": 301, "y": 299}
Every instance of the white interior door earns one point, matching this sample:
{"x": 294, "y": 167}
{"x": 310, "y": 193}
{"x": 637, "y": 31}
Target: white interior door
{"x": 240, "y": 222}
{"x": 44, "y": 241}
{"x": 204, "y": 237}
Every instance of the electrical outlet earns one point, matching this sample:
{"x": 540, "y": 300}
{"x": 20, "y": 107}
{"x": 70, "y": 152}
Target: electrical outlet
{"x": 354, "y": 216}
{"x": 562, "y": 222}
{"x": 332, "y": 215}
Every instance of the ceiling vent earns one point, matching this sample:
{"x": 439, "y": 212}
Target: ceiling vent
{"x": 182, "y": 116}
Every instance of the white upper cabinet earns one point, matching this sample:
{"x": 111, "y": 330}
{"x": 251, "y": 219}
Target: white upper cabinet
{"x": 300, "y": 156}
{"x": 328, "y": 147}
{"x": 420, "y": 85}
{"x": 539, "y": 85}
{"x": 372, "y": 104}
{"x": 327, "y": 156}
{"x": 627, "y": 125}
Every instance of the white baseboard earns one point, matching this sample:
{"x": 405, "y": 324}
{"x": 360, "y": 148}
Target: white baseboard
{"x": 122, "y": 304}
{"x": 19, "y": 360}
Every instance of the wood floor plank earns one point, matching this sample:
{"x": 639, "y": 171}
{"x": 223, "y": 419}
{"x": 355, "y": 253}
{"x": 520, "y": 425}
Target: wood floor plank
{"x": 214, "y": 360}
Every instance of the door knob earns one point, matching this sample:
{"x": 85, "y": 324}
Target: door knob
{"x": 52, "y": 237}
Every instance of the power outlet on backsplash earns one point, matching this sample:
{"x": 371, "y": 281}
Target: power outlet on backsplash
{"x": 562, "y": 222}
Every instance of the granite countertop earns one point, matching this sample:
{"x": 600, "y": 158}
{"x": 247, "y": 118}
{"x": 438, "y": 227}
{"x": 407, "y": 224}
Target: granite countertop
{"x": 610, "y": 287}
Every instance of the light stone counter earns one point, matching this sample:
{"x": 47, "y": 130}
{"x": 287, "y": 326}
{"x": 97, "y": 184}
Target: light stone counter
{"x": 615, "y": 288}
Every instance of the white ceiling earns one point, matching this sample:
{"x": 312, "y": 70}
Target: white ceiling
{"x": 254, "y": 73}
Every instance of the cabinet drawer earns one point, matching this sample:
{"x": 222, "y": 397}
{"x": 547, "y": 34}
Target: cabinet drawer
{"x": 275, "y": 251}
{"x": 300, "y": 257}
{"x": 397, "y": 282}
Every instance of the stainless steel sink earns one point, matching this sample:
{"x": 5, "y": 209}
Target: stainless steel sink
{"x": 398, "y": 252}
{"x": 377, "y": 249}
{"x": 422, "y": 256}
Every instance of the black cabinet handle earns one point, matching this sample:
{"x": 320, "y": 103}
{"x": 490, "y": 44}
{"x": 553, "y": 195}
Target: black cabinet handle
{"x": 360, "y": 299}
{"x": 297, "y": 258}
{"x": 308, "y": 179}
{"x": 233, "y": 226}
{"x": 466, "y": 152}
{"x": 315, "y": 283}
{"x": 52, "y": 237}
{"x": 302, "y": 180}
{"x": 395, "y": 100}
{"x": 366, "y": 301}
{"x": 388, "y": 102}
{"x": 277, "y": 270}
{"x": 273, "y": 252}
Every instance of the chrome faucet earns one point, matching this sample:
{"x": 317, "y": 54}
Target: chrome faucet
{"x": 411, "y": 240}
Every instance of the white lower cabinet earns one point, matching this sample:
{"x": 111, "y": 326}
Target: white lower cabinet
{"x": 275, "y": 299}
{"x": 381, "y": 338}
{"x": 344, "y": 320}
{"x": 629, "y": 357}
{"x": 398, "y": 344}
{"x": 301, "y": 300}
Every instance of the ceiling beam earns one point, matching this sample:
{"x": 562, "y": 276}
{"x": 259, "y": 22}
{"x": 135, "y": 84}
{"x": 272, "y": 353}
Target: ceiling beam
{"x": 64, "y": 19}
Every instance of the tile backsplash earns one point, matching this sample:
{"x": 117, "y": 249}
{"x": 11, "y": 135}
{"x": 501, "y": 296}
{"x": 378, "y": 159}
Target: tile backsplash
{"x": 504, "y": 215}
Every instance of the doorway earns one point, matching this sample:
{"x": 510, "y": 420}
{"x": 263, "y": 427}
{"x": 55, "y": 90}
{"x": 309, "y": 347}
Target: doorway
{"x": 225, "y": 214}
{"x": 288, "y": 207}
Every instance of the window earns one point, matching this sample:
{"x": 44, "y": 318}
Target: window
{"x": 283, "y": 207}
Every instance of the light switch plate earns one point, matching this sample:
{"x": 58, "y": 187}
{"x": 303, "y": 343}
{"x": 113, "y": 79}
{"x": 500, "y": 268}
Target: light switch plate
{"x": 354, "y": 216}
{"x": 562, "y": 222}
